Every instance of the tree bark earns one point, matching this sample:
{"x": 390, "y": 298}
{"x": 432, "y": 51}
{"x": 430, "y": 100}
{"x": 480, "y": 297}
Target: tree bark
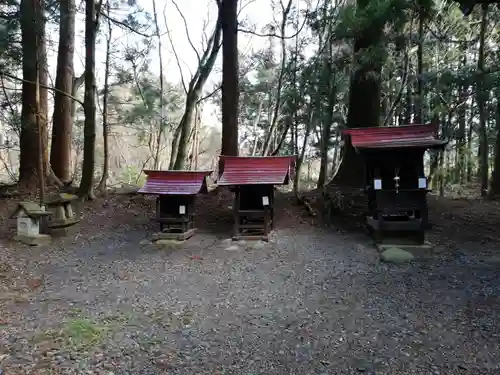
{"x": 460, "y": 167}
{"x": 419, "y": 118}
{"x": 60, "y": 152}
{"x": 105, "y": 126}
{"x": 230, "y": 95}
{"x": 364, "y": 98}
{"x": 326, "y": 133}
{"x": 482, "y": 97}
{"x": 181, "y": 138}
{"x": 495, "y": 178}
{"x": 32, "y": 26}
{"x": 161, "y": 127}
{"x": 88, "y": 165}
{"x": 302, "y": 152}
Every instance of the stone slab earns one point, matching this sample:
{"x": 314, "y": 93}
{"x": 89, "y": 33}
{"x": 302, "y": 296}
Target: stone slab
{"x": 418, "y": 251}
{"x": 169, "y": 244}
{"x": 173, "y": 236}
{"x": 251, "y": 238}
{"x": 40, "y": 240}
{"x": 396, "y": 255}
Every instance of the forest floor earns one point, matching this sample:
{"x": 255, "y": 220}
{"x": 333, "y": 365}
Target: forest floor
{"x": 314, "y": 300}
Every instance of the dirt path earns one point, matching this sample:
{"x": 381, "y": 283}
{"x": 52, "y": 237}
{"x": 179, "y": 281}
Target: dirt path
{"x": 312, "y": 302}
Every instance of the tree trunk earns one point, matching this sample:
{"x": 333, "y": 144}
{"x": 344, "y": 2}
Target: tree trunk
{"x": 105, "y": 125}
{"x": 419, "y": 118}
{"x": 482, "y": 98}
{"x": 325, "y": 137}
{"x": 495, "y": 178}
{"x": 181, "y": 138}
{"x": 88, "y": 165}
{"x": 43, "y": 108}
{"x": 230, "y": 94}
{"x": 364, "y": 98}
{"x": 469, "y": 143}
{"x": 161, "y": 127}
{"x": 60, "y": 152}
{"x": 442, "y": 173}
{"x": 407, "y": 110}
{"x": 460, "y": 167}
{"x": 277, "y": 105}
{"x": 300, "y": 158}
{"x": 186, "y": 125}
{"x": 32, "y": 47}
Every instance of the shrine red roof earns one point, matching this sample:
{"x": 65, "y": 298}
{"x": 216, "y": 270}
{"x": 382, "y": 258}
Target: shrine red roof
{"x": 175, "y": 182}
{"x": 407, "y": 136}
{"x": 256, "y": 170}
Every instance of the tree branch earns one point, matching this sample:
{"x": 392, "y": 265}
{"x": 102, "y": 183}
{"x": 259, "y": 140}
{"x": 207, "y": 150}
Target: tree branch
{"x": 3, "y": 74}
{"x": 123, "y": 24}
{"x": 186, "y": 29}
{"x": 274, "y": 35}
{"x": 217, "y": 89}
{"x": 177, "y": 60}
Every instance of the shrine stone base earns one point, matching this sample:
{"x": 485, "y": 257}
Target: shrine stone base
{"x": 418, "y": 251}
{"x": 37, "y": 240}
{"x": 174, "y": 236}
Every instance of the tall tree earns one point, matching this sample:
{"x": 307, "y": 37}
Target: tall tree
{"x": 60, "y": 152}
{"x": 364, "y": 89}
{"x": 86, "y": 185}
{"x": 32, "y": 30}
{"x": 230, "y": 94}
{"x": 105, "y": 112}
{"x": 482, "y": 98}
{"x": 194, "y": 91}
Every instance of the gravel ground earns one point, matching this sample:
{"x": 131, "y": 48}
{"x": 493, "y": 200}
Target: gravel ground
{"x": 310, "y": 302}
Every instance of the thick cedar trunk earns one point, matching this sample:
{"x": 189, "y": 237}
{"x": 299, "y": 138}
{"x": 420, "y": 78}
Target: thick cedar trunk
{"x": 364, "y": 99}
{"x": 88, "y": 165}
{"x": 32, "y": 26}
{"x": 60, "y": 152}
{"x": 230, "y": 93}
{"x": 43, "y": 72}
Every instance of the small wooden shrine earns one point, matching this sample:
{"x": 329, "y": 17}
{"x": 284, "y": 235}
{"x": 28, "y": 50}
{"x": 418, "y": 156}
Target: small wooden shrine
{"x": 395, "y": 183}
{"x": 176, "y": 193}
{"x": 252, "y": 179}
{"x": 30, "y": 222}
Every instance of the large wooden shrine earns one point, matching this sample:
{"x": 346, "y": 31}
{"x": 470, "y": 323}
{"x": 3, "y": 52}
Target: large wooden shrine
{"x": 395, "y": 182}
{"x": 176, "y": 192}
{"x": 252, "y": 180}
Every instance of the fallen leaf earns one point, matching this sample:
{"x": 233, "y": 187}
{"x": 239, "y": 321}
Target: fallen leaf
{"x": 35, "y": 283}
